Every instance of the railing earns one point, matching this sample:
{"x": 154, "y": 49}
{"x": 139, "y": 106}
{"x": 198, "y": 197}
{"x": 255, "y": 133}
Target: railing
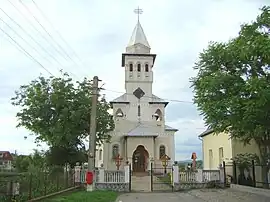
{"x": 114, "y": 176}
{"x": 187, "y": 176}
{"x": 105, "y": 176}
{"x": 210, "y": 175}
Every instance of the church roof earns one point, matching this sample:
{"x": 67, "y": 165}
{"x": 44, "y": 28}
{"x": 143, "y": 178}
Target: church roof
{"x": 143, "y": 130}
{"x": 169, "y": 128}
{"x": 155, "y": 100}
{"x": 120, "y": 99}
{"x": 148, "y": 130}
{"x": 138, "y": 36}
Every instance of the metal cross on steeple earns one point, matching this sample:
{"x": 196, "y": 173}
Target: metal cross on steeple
{"x": 138, "y": 11}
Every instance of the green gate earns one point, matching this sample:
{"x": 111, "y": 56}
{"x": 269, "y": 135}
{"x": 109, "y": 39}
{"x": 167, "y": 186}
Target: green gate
{"x": 161, "y": 178}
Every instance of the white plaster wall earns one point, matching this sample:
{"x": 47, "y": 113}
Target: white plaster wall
{"x": 99, "y": 156}
{"x": 168, "y": 141}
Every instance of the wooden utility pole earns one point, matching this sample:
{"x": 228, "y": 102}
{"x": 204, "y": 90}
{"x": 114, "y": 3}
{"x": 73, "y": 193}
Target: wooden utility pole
{"x": 92, "y": 134}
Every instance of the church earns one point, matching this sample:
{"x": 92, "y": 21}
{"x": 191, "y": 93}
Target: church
{"x": 140, "y": 135}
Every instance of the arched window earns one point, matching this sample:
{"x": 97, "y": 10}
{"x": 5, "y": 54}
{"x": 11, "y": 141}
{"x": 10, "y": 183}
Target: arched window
{"x": 146, "y": 68}
{"x": 158, "y": 115}
{"x": 162, "y": 151}
{"x": 115, "y": 150}
{"x": 131, "y": 67}
{"x": 139, "y": 67}
{"x": 119, "y": 113}
{"x": 100, "y": 154}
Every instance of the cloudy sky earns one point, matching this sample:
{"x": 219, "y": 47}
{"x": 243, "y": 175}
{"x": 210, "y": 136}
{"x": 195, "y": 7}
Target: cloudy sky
{"x": 98, "y": 32}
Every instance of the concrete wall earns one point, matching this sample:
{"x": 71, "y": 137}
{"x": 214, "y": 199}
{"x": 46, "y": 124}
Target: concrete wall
{"x": 216, "y": 143}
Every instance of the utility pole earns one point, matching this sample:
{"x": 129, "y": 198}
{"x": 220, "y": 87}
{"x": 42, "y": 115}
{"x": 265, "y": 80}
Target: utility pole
{"x": 92, "y": 134}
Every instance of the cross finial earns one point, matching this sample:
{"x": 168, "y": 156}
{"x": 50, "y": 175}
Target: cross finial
{"x": 138, "y": 11}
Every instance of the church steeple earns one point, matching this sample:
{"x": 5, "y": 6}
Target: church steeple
{"x": 138, "y": 42}
{"x": 138, "y": 36}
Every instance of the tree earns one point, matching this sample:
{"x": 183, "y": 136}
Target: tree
{"x": 57, "y": 112}
{"x": 232, "y": 87}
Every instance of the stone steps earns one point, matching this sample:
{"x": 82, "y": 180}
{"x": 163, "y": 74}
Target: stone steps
{"x": 141, "y": 184}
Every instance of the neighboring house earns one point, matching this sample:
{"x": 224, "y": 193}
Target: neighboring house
{"x": 6, "y": 160}
{"x": 217, "y": 148}
{"x": 141, "y": 135}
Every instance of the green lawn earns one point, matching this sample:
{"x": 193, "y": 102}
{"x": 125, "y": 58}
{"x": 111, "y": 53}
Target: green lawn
{"x": 81, "y": 196}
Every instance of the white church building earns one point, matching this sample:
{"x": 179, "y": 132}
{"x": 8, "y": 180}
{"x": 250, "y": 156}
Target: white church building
{"x": 140, "y": 135}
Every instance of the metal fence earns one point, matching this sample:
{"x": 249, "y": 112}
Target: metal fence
{"x": 26, "y": 186}
{"x": 254, "y": 175}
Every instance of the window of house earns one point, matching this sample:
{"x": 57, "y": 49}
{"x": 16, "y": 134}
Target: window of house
{"x": 139, "y": 67}
{"x": 131, "y": 67}
{"x": 100, "y": 154}
{"x": 221, "y": 155}
{"x": 146, "y": 68}
{"x": 115, "y": 150}
{"x": 210, "y": 158}
{"x": 162, "y": 151}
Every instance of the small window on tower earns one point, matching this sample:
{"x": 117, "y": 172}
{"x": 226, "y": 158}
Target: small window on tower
{"x": 146, "y": 68}
{"x": 131, "y": 67}
{"x": 139, "y": 110}
{"x": 139, "y": 67}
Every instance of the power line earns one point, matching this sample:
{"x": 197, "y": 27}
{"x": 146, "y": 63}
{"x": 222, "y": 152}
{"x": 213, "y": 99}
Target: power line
{"x": 28, "y": 10}
{"x": 52, "y": 38}
{"x": 26, "y": 53}
{"x": 59, "y": 34}
{"x": 181, "y": 101}
{"x": 33, "y": 39}
{"x": 24, "y": 40}
{"x": 33, "y": 26}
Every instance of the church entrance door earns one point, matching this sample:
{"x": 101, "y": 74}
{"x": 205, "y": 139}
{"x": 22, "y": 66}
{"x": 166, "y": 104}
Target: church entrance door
{"x": 140, "y": 159}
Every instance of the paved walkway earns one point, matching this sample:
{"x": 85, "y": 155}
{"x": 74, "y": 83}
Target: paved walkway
{"x": 207, "y": 195}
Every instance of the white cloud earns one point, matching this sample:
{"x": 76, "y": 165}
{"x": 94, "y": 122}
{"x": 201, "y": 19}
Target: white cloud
{"x": 99, "y": 31}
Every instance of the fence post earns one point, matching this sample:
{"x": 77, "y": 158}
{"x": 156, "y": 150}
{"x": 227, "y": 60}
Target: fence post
{"x": 234, "y": 173}
{"x": 223, "y": 173}
{"x": 199, "y": 175}
{"x": 126, "y": 168}
{"x": 253, "y": 173}
{"x": 151, "y": 177}
{"x": 175, "y": 174}
{"x": 77, "y": 174}
{"x": 101, "y": 177}
{"x": 129, "y": 177}
{"x": 45, "y": 182}
{"x": 30, "y": 187}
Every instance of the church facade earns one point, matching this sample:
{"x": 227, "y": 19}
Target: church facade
{"x": 140, "y": 135}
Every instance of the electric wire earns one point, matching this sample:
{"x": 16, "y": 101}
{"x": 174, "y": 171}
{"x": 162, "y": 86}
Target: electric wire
{"x": 33, "y": 26}
{"x": 59, "y": 34}
{"x": 51, "y": 37}
{"x": 172, "y": 100}
{"x": 25, "y": 41}
{"x": 25, "y": 52}
{"x": 32, "y": 38}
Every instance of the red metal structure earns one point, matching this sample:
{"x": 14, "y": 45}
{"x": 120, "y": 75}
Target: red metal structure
{"x": 89, "y": 177}
{"x": 118, "y": 159}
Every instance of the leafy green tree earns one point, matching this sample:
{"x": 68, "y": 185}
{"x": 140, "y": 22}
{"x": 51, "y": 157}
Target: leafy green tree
{"x": 232, "y": 87}
{"x": 57, "y": 112}
{"x": 22, "y": 163}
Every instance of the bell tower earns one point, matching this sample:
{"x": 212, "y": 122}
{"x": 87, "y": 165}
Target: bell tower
{"x": 138, "y": 61}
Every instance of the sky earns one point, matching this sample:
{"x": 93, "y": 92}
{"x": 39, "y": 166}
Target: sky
{"x": 96, "y": 33}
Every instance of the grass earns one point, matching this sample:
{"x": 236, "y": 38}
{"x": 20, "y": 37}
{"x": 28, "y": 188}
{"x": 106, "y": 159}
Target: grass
{"x": 83, "y": 196}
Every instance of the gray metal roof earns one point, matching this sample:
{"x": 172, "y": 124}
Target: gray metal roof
{"x": 169, "y": 128}
{"x": 138, "y": 36}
